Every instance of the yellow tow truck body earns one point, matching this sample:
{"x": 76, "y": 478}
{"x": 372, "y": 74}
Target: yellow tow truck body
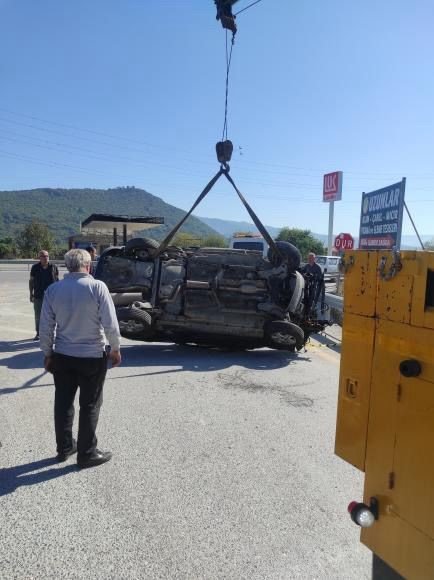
{"x": 385, "y": 420}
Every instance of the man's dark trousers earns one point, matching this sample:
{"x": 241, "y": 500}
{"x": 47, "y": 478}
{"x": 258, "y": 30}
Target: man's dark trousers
{"x": 69, "y": 373}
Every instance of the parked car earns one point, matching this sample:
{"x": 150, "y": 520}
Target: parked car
{"x": 328, "y": 264}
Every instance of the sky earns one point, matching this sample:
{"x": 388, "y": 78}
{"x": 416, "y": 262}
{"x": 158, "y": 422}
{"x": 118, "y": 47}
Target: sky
{"x": 105, "y": 93}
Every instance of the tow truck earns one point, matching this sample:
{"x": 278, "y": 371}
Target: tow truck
{"x": 385, "y": 419}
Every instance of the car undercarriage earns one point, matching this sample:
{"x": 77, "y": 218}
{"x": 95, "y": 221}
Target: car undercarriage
{"x": 212, "y": 296}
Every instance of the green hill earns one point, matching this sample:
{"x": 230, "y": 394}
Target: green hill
{"x": 63, "y": 210}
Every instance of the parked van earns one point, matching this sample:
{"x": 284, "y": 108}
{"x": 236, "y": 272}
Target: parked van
{"x": 328, "y": 264}
{"x": 243, "y": 241}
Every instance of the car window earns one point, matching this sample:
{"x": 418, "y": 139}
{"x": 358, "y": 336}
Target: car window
{"x": 333, "y": 261}
{"x": 321, "y": 260}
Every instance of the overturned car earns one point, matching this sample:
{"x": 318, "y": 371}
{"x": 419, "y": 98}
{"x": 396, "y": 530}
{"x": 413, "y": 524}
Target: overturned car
{"x": 213, "y": 296}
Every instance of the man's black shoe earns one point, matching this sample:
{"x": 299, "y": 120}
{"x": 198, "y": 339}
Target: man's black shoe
{"x": 63, "y": 456}
{"x": 97, "y": 458}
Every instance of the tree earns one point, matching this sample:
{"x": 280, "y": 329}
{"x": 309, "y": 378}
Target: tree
{"x": 214, "y": 241}
{"x": 185, "y": 239}
{"x": 35, "y": 236}
{"x": 302, "y": 239}
{"x": 8, "y": 248}
{"x": 429, "y": 245}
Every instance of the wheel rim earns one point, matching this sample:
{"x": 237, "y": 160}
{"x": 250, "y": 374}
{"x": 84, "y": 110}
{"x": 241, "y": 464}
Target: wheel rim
{"x": 283, "y": 338}
{"x": 131, "y": 327}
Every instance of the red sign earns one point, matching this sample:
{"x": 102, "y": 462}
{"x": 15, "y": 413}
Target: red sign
{"x": 332, "y": 188}
{"x": 344, "y": 242}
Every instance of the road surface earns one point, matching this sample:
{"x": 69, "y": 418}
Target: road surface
{"x": 223, "y": 466}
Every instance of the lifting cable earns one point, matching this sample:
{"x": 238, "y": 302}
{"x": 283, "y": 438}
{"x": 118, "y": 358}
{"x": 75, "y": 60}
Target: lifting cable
{"x": 224, "y": 148}
{"x": 228, "y": 68}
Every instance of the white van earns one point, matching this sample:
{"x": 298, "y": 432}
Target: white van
{"x": 328, "y": 264}
{"x": 249, "y": 242}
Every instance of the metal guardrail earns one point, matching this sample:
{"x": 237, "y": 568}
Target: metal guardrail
{"x": 30, "y": 262}
{"x": 27, "y": 263}
{"x": 336, "y": 302}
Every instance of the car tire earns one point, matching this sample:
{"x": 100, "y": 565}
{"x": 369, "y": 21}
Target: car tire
{"x": 134, "y": 323}
{"x": 284, "y": 335}
{"x": 288, "y": 253}
{"x": 141, "y": 244}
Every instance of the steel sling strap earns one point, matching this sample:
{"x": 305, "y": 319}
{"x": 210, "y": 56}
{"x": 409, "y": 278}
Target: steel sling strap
{"x": 256, "y": 220}
{"x": 164, "y": 244}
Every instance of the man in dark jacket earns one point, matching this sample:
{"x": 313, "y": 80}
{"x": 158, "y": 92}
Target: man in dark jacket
{"x": 314, "y": 277}
{"x": 42, "y": 275}
{"x": 312, "y": 267}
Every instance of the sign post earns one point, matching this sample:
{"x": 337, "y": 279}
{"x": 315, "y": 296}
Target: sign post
{"x": 381, "y": 218}
{"x": 332, "y": 191}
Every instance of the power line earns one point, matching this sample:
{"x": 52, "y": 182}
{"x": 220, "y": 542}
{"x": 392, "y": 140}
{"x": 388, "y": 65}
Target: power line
{"x": 362, "y": 176}
{"x": 50, "y": 163}
{"x": 247, "y": 7}
{"x": 87, "y": 153}
{"x": 320, "y": 171}
{"x": 85, "y": 130}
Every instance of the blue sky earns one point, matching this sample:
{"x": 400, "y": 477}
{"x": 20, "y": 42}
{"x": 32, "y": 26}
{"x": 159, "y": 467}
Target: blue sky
{"x": 101, "y": 93}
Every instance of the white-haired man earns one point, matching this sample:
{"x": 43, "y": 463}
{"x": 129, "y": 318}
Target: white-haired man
{"x": 312, "y": 267}
{"x": 76, "y": 314}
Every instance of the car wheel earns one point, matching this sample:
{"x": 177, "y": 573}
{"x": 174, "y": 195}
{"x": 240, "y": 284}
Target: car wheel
{"x": 134, "y": 323}
{"x": 284, "y": 335}
{"x": 288, "y": 253}
{"x": 136, "y": 244}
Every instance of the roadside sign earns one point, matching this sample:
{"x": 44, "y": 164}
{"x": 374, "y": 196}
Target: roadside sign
{"x": 344, "y": 242}
{"x": 381, "y": 218}
{"x": 332, "y": 186}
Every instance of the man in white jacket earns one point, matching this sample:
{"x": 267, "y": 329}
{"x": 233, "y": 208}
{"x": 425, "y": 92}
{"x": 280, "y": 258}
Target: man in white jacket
{"x": 77, "y": 317}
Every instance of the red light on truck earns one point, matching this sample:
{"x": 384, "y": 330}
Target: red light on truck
{"x": 364, "y": 515}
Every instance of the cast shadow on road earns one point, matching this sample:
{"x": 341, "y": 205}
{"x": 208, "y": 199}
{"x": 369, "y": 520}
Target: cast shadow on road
{"x": 21, "y": 358}
{"x": 18, "y": 345}
{"x": 329, "y": 341}
{"x": 11, "y": 478}
{"x": 198, "y": 359}
{"x": 180, "y": 358}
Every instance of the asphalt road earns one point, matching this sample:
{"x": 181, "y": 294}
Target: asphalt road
{"x": 223, "y": 466}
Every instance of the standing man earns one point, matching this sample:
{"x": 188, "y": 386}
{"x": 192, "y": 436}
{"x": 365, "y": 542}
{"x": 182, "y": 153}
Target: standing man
{"x": 93, "y": 256}
{"x": 312, "y": 267}
{"x": 315, "y": 288}
{"x": 42, "y": 275}
{"x": 76, "y": 314}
